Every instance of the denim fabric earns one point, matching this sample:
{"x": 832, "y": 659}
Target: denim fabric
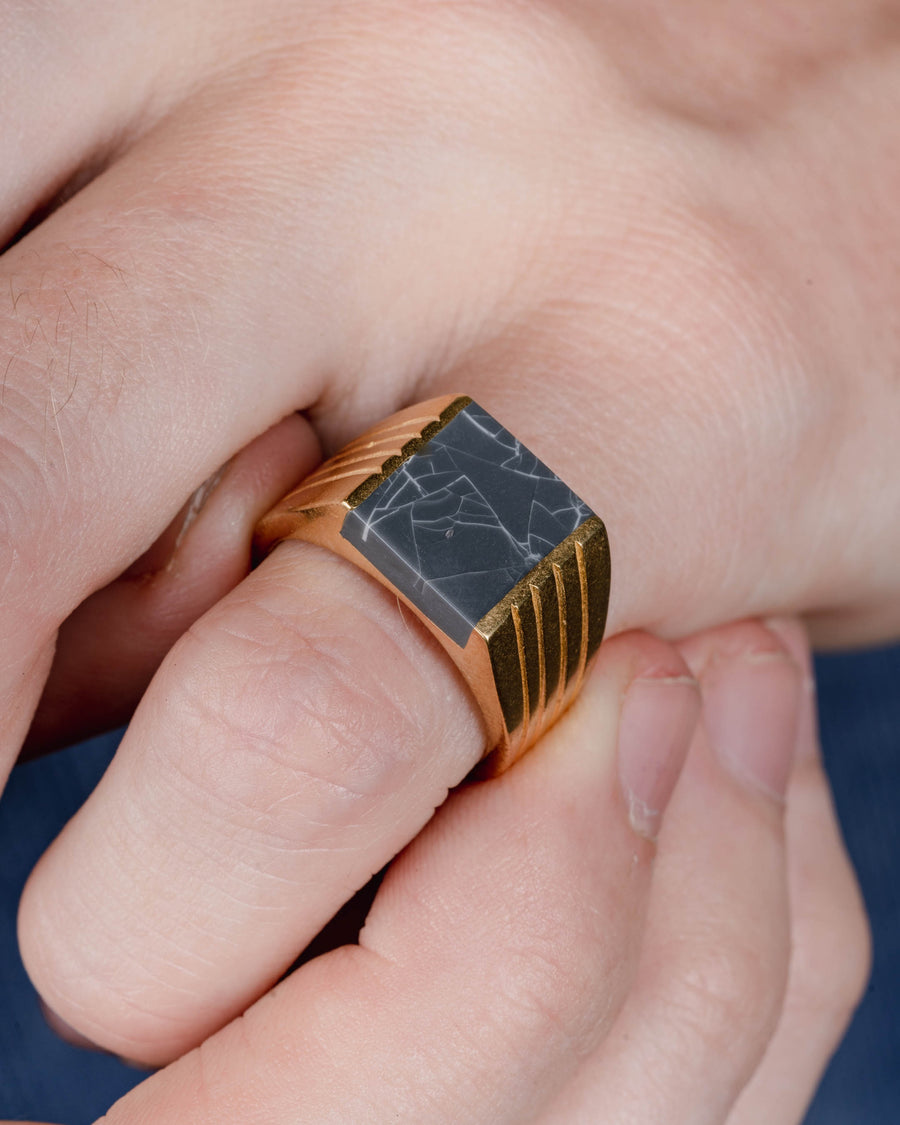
{"x": 859, "y": 705}
{"x": 43, "y": 1079}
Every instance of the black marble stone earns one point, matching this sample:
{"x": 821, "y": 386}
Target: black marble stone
{"x": 463, "y": 520}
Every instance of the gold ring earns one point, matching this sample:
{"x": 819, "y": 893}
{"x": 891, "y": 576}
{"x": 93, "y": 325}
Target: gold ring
{"x": 506, "y": 566}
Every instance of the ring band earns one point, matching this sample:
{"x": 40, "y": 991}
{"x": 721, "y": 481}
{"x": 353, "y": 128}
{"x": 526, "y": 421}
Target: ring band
{"x": 506, "y": 566}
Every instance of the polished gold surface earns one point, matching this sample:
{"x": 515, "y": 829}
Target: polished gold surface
{"x": 526, "y": 659}
{"x": 345, "y": 480}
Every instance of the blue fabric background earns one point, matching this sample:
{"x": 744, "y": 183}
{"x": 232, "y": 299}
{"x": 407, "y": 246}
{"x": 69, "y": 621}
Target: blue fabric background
{"x": 43, "y": 1079}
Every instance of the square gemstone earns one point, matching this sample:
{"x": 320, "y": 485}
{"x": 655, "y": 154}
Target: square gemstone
{"x": 463, "y": 520}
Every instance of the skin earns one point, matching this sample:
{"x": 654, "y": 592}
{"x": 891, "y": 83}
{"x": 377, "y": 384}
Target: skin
{"x": 530, "y": 957}
{"x": 657, "y": 240}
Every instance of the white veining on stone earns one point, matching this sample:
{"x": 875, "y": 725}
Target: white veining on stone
{"x": 464, "y": 519}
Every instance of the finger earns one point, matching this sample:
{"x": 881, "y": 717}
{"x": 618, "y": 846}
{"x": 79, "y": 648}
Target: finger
{"x": 296, "y": 738}
{"x": 109, "y": 648}
{"x": 172, "y": 321}
{"x": 309, "y": 316}
{"x": 295, "y": 236}
{"x": 80, "y": 83}
{"x": 497, "y": 953}
{"x": 46, "y": 139}
{"x": 830, "y": 938}
{"x": 713, "y": 967}
{"x": 264, "y": 778}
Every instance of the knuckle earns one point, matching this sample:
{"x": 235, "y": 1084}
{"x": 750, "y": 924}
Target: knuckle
{"x": 854, "y": 966}
{"x": 546, "y": 987}
{"x": 283, "y": 712}
{"x": 832, "y": 962}
{"x": 730, "y": 995}
{"x": 832, "y": 1001}
{"x": 528, "y": 55}
{"x": 759, "y": 61}
{"x": 501, "y": 39}
{"x": 558, "y": 975}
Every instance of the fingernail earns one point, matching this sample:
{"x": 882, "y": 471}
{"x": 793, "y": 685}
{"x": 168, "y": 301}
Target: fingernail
{"x": 197, "y": 503}
{"x": 793, "y": 636}
{"x": 655, "y": 730}
{"x": 162, "y": 553}
{"x": 751, "y": 709}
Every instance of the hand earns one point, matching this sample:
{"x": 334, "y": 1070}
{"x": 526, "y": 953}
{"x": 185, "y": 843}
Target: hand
{"x": 343, "y": 209}
{"x": 527, "y": 960}
{"x": 658, "y": 240}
